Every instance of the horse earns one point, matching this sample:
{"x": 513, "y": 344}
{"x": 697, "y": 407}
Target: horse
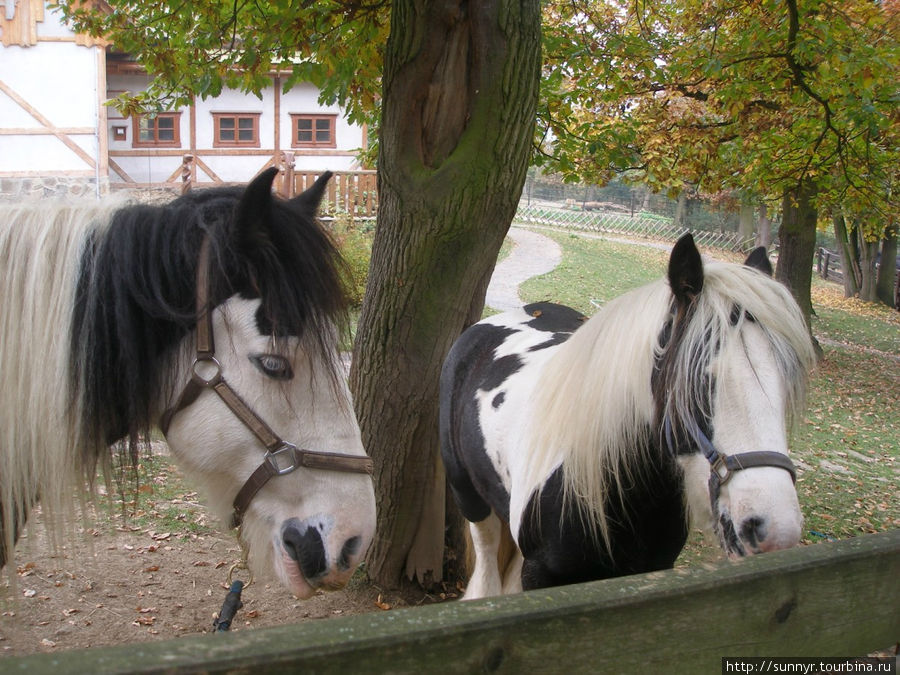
{"x": 591, "y": 444}
{"x": 215, "y": 317}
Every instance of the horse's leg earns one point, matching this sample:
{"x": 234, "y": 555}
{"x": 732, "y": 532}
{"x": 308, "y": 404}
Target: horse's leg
{"x": 485, "y": 578}
{"x": 512, "y": 575}
{"x": 6, "y": 552}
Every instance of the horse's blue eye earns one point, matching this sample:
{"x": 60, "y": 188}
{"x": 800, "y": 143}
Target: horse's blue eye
{"x": 275, "y": 366}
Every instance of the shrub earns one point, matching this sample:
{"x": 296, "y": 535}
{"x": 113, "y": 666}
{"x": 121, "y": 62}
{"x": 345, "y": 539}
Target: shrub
{"x": 354, "y": 239}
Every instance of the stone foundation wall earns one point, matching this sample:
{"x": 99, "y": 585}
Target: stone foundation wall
{"x": 50, "y": 187}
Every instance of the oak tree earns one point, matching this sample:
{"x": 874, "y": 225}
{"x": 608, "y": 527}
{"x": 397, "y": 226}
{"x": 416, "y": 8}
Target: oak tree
{"x": 791, "y": 102}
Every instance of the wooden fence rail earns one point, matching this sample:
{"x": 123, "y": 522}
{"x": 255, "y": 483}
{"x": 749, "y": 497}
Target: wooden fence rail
{"x": 828, "y": 265}
{"x": 350, "y": 192}
{"x": 831, "y": 599}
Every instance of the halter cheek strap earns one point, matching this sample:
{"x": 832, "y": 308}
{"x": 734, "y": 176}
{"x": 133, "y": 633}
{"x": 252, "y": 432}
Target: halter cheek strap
{"x": 723, "y": 467}
{"x": 281, "y": 457}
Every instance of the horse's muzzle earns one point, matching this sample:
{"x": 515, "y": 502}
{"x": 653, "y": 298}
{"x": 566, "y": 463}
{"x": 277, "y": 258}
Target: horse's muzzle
{"x": 304, "y": 546}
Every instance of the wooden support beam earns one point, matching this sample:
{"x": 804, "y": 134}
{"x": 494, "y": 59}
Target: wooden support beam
{"x": 829, "y": 599}
{"x": 47, "y": 124}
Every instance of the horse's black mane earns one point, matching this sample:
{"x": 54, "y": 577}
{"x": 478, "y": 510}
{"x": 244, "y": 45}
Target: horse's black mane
{"x": 136, "y": 297}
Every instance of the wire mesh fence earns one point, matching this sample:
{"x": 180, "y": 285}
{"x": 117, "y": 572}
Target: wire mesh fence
{"x": 638, "y": 225}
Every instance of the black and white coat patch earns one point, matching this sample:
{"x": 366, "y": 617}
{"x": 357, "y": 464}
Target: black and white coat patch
{"x": 581, "y": 439}
{"x": 486, "y": 375}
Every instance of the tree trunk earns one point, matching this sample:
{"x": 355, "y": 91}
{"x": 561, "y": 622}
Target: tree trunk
{"x": 764, "y": 229}
{"x": 460, "y": 94}
{"x": 887, "y": 273}
{"x": 849, "y": 267}
{"x": 868, "y": 255}
{"x": 745, "y": 223}
{"x": 797, "y": 236}
{"x": 680, "y": 220}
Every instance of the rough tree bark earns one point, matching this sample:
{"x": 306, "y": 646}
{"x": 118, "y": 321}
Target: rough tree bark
{"x": 868, "y": 256}
{"x": 849, "y": 264}
{"x": 797, "y": 236}
{"x": 764, "y": 227}
{"x": 460, "y": 91}
{"x": 746, "y": 221}
{"x": 887, "y": 272}
{"x": 681, "y": 210}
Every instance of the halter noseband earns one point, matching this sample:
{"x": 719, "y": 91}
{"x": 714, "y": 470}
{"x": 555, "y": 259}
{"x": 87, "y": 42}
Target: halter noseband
{"x": 281, "y": 456}
{"x": 723, "y": 467}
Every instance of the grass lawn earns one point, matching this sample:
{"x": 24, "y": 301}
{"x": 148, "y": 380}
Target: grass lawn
{"x": 848, "y": 448}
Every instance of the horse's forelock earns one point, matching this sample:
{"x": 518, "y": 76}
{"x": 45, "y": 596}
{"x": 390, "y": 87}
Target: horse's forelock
{"x": 732, "y": 293}
{"x": 138, "y": 296}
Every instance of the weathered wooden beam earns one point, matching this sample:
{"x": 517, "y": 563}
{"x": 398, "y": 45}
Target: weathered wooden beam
{"x": 830, "y": 599}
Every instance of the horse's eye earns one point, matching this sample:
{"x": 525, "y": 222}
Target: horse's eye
{"x": 275, "y": 366}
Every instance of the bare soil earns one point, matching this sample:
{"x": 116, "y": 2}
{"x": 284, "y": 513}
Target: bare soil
{"x": 132, "y": 585}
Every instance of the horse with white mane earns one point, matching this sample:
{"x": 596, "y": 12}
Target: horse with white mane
{"x": 215, "y": 317}
{"x": 591, "y": 443}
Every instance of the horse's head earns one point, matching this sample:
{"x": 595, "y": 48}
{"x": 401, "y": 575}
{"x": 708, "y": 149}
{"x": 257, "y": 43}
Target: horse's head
{"x": 267, "y": 425}
{"x": 732, "y": 372}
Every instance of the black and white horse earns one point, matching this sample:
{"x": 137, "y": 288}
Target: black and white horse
{"x": 216, "y": 317}
{"x": 592, "y": 442}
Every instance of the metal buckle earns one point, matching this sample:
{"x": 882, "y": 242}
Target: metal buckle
{"x": 286, "y": 451}
{"x": 720, "y": 467}
{"x": 206, "y": 371}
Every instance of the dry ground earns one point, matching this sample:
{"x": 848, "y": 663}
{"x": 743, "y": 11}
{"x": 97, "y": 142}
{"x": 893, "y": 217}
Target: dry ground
{"x": 125, "y": 584}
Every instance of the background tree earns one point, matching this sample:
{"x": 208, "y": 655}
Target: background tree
{"x": 791, "y": 102}
{"x": 458, "y": 99}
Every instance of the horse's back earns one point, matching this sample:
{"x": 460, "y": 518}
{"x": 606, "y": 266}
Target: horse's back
{"x": 491, "y": 361}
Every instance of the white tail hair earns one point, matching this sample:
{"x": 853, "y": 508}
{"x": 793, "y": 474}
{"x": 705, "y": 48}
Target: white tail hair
{"x": 41, "y": 443}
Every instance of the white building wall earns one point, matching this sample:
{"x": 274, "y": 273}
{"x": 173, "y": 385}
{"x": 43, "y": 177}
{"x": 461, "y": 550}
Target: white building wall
{"x": 65, "y": 98}
{"x": 149, "y": 165}
{"x": 58, "y": 82}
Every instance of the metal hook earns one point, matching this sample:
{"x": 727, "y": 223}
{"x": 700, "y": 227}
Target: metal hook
{"x": 238, "y": 566}
{"x": 242, "y": 563}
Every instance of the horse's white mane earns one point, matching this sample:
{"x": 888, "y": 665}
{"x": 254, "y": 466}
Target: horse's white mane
{"x": 40, "y": 438}
{"x": 606, "y": 366}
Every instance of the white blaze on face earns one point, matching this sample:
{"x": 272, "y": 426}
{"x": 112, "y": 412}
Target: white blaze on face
{"x": 757, "y": 508}
{"x": 309, "y": 410}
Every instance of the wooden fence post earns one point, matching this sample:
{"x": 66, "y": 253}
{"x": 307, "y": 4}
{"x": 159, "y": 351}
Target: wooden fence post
{"x": 287, "y": 176}
{"x": 187, "y": 173}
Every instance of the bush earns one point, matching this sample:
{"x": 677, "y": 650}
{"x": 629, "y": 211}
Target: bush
{"x": 354, "y": 239}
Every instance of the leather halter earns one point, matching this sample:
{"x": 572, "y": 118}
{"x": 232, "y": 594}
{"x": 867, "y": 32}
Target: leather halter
{"x": 281, "y": 456}
{"x": 723, "y": 467}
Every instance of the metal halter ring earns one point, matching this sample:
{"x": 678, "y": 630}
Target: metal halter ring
{"x": 287, "y": 451}
{"x": 721, "y": 469}
{"x": 206, "y": 362}
{"x": 239, "y": 566}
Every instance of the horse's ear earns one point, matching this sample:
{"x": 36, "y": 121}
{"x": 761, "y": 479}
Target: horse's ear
{"x": 255, "y": 207}
{"x": 759, "y": 260}
{"x": 310, "y": 198}
{"x": 685, "y": 270}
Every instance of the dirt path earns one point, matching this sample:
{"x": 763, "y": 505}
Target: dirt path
{"x": 533, "y": 254}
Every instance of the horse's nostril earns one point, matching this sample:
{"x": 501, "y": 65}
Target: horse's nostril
{"x": 350, "y": 549}
{"x": 304, "y": 544}
{"x": 753, "y": 531}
